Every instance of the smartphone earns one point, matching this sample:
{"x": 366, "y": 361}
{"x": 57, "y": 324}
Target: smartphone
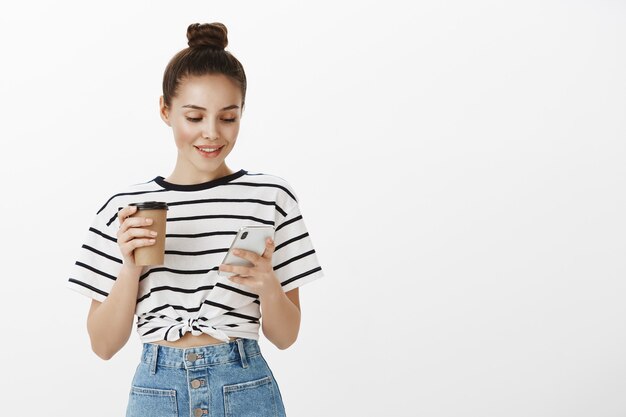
{"x": 251, "y": 238}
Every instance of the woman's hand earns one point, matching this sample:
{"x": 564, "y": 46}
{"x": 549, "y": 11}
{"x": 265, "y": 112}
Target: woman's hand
{"x": 131, "y": 235}
{"x": 260, "y": 277}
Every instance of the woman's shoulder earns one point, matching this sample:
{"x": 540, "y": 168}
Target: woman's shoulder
{"x": 272, "y": 180}
{"x": 266, "y": 177}
{"x": 119, "y": 195}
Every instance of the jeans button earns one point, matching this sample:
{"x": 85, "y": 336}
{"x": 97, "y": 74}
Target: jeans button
{"x": 192, "y": 357}
{"x": 196, "y": 383}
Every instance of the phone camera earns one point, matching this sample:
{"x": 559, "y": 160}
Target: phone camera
{"x": 243, "y": 235}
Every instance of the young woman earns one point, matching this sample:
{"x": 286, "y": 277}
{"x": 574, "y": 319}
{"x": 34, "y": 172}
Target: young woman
{"x": 199, "y": 329}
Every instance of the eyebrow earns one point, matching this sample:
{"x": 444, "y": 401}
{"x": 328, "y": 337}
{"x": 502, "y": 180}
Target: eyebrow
{"x": 193, "y": 106}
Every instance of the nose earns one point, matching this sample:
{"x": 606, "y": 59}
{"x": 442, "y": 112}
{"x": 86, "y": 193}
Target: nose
{"x": 209, "y": 130}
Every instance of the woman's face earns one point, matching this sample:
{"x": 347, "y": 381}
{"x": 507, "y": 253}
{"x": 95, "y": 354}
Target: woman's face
{"x": 205, "y": 117}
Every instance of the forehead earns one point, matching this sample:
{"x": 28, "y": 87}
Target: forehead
{"x": 211, "y": 91}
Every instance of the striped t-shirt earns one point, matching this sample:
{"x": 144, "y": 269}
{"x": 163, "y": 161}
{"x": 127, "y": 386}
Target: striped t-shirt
{"x": 186, "y": 294}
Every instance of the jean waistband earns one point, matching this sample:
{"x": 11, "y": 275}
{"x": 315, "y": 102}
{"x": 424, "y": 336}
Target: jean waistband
{"x": 166, "y": 356}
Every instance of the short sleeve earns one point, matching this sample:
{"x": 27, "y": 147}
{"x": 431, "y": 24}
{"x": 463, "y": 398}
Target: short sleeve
{"x": 99, "y": 259}
{"x": 294, "y": 260}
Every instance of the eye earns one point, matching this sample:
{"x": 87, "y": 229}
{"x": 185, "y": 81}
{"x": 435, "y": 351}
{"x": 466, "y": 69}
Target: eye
{"x": 229, "y": 120}
{"x": 194, "y": 119}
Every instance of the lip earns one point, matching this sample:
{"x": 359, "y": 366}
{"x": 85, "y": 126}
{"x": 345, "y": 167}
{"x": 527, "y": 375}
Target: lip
{"x": 205, "y": 154}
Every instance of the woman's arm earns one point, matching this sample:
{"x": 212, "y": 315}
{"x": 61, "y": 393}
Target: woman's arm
{"x": 281, "y": 317}
{"x": 110, "y": 322}
{"x": 280, "y": 310}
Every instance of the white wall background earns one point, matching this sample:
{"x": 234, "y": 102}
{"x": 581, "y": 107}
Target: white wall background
{"x": 460, "y": 165}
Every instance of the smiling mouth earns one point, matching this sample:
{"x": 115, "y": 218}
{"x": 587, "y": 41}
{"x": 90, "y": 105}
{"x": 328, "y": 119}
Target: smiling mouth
{"x": 209, "y": 151}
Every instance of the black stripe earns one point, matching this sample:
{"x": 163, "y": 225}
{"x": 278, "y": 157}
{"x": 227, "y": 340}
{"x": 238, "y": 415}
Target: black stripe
{"x": 288, "y": 222}
{"x": 147, "y": 320}
{"x": 154, "y": 310}
{"x": 281, "y": 211}
{"x": 75, "y": 281}
{"x": 175, "y": 289}
{"x": 218, "y": 305}
{"x": 258, "y": 184}
{"x": 249, "y": 318}
{"x": 254, "y": 321}
{"x": 230, "y": 232}
{"x": 201, "y": 186}
{"x": 189, "y": 310}
{"x": 153, "y": 330}
{"x": 229, "y": 200}
{"x": 178, "y": 271}
{"x": 302, "y": 275}
{"x": 94, "y": 250}
{"x": 285, "y": 243}
{"x": 295, "y": 258}
{"x": 221, "y": 216}
{"x": 104, "y": 235}
{"x": 203, "y": 252}
{"x": 241, "y": 316}
{"x": 112, "y": 219}
{"x": 168, "y": 330}
{"x": 133, "y": 193}
{"x": 237, "y": 290}
{"x": 97, "y": 271}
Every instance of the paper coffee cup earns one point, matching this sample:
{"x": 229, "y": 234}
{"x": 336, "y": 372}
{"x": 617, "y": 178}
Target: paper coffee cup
{"x": 157, "y": 211}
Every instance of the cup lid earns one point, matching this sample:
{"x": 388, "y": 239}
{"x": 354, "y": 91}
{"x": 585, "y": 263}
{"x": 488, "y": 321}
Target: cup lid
{"x": 150, "y": 205}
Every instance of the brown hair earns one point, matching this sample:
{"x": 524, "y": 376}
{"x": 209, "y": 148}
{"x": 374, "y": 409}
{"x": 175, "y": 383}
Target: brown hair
{"x": 206, "y": 54}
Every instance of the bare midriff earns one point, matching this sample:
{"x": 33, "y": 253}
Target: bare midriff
{"x": 189, "y": 340}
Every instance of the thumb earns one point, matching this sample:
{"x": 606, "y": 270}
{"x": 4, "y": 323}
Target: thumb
{"x": 269, "y": 248}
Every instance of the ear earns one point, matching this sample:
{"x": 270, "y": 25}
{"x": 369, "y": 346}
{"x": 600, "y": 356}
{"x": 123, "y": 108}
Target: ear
{"x": 164, "y": 111}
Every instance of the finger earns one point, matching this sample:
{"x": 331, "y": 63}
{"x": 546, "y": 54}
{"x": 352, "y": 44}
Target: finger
{"x": 269, "y": 248}
{"x": 128, "y": 243}
{"x": 237, "y": 279}
{"x": 134, "y": 222}
{"x": 126, "y": 234}
{"x": 136, "y": 243}
{"x": 136, "y": 232}
{"x": 125, "y": 213}
{"x": 236, "y": 269}
{"x": 128, "y": 247}
{"x": 246, "y": 254}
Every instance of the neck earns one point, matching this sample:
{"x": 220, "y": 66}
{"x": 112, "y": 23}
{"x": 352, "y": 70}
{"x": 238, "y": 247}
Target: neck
{"x": 186, "y": 176}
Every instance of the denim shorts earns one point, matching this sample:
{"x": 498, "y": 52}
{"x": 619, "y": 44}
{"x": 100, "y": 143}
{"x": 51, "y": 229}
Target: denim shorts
{"x": 221, "y": 380}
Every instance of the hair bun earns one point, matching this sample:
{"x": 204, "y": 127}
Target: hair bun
{"x": 207, "y": 35}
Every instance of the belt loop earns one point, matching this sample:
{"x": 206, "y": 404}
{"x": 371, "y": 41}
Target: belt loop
{"x": 153, "y": 361}
{"x": 242, "y": 353}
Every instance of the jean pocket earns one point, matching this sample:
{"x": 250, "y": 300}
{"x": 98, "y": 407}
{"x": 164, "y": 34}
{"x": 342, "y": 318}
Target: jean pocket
{"x": 251, "y": 399}
{"x": 151, "y": 402}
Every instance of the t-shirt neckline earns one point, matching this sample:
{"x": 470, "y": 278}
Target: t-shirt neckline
{"x": 201, "y": 186}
